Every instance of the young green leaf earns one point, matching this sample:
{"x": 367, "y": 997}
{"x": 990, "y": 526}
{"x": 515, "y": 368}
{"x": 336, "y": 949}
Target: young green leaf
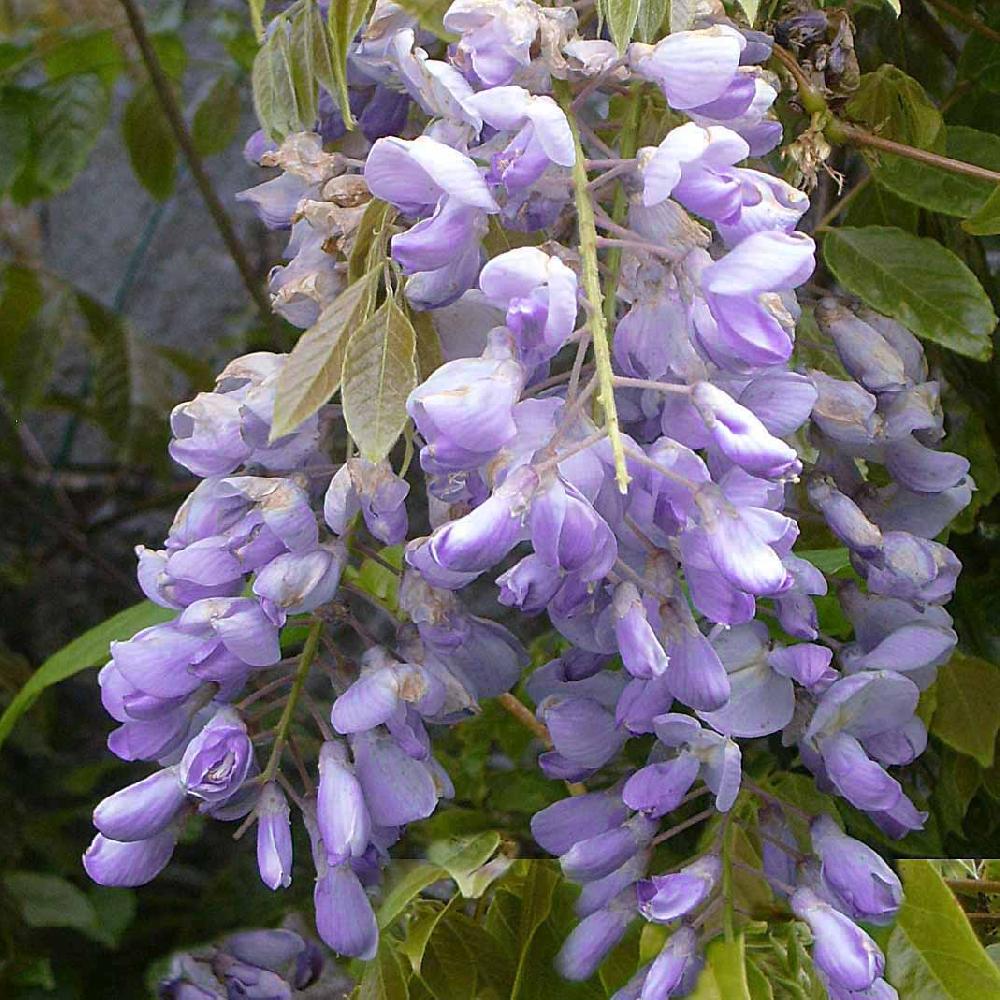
{"x": 724, "y": 976}
{"x": 917, "y": 281}
{"x": 89, "y": 650}
{"x": 313, "y": 371}
{"x": 751, "y": 7}
{"x": 380, "y": 371}
{"x": 407, "y": 880}
{"x": 150, "y": 143}
{"x": 274, "y": 97}
{"x": 967, "y": 716}
{"x": 346, "y": 17}
{"x": 933, "y": 952}
{"x": 462, "y": 858}
{"x": 217, "y": 117}
{"x": 621, "y": 16}
{"x": 682, "y": 14}
{"x": 652, "y": 14}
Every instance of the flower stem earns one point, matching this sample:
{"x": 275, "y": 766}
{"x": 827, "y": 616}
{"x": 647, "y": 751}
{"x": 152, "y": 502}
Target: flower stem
{"x": 592, "y": 288}
{"x": 281, "y": 731}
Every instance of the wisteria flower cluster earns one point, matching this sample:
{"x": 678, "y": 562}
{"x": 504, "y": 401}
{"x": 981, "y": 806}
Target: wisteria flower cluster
{"x": 621, "y": 436}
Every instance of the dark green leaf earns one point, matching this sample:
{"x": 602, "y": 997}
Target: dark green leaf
{"x": 942, "y": 190}
{"x": 877, "y": 206}
{"x": 111, "y": 349}
{"x": 379, "y": 374}
{"x": 384, "y": 977}
{"x": 50, "y": 901}
{"x": 917, "y": 281}
{"x": 958, "y": 781}
{"x": 933, "y": 952}
{"x": 95, "y": 52}
{"x": 150, "y": 143}
{"x": 314, "y": 368}
{"x": 980, "y": 62}
{"x": 16, "y": 106}
{"x": 21, "y": 300}
{"x": 897, "y": 107}
{"x": 986, "y": 222}
{"x": 171, "y": 53}
{"x": 967, "y": 716}
{"x": 217, "y": 118}
{"x": 71, "y": 114}
{"x": 89, "y": 650}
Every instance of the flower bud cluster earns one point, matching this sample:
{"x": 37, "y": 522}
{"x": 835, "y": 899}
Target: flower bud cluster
{"x": 277, "y": 964}
{"x": 655, "y": 529}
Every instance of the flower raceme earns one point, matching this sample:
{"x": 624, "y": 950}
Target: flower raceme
{"x": 685, "y": 616}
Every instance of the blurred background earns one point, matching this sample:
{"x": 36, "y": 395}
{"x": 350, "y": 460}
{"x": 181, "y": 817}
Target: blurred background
{"x": 118, "y": 299}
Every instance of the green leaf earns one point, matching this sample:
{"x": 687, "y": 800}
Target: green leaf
{"x": 274, "y": 97}
{"x": 217, "y": 117}
{"x": 682, "y": 14}
{"x": 16, "y": 106}
{"x": 89, "y": 650}
{"x": 150, "y": 143}
{"x": 986, "y": 222}
{"x": 877, "y": 206}
{"x": 830, "y": 561}
{"x": 72, "y": 114}
{"x": 724, "y": 976}
{"x": 21, "y": 300}
{"x": 942, "y": 190}
{"x": 652, "y": 14}
{"x": 463, "y": 858}
{"x": 897, "y": 107}
{"x": 621, "y": 17}
{"x": 50, "y": 901}
{"x": 751, "y": 7}
{"x": 933, "y": 952}
{"x": 893, "y": 5}
{"x": 967, "y": 716}
{"x": 959, "y": 778}
{"x": 422, "y": 919}
{"x": 917, "y": 281}
{"x": 536, "y": 890}
{"x": 380, "y": 371}
{"x": 111, "y": 386}
{"x": 94, "y": 52}
{"x": 980, "y": 62}
{"x": 384, "y": 977}
{"x": 346, "y": 17}
{"x": 313, "y": 371}
{"x": 409, "y": 879}
{"x": 462, "y": 959}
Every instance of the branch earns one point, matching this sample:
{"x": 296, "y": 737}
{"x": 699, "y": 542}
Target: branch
{"x": 165, "y": 95}
{"x": 592, "y": 287}
{"x": 845, "y": 132}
